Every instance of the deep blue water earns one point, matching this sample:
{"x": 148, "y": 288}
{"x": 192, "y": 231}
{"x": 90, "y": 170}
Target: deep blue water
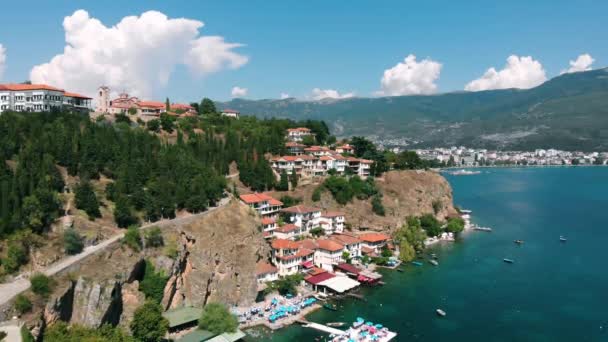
{"x": 553, "y": 292}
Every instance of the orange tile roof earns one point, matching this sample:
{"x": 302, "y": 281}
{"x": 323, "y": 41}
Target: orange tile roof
{"x": 332, "y": 214}
{"x": 293, "y": 144}
{"x": 273, "y": 201}
{"x": 329, "y": 245}
{"x": 68, "y": 94}
{"x": 181, "y": 106}
{"x": 317, "y": 270}
{"x": 345, "y": 239}
{"x": 227, "y": 110}
{"x": 303, "y": 252}
{"x": 298, "y": 129}
{"x": 284, "y": 244}
{"x": 152, "y": 104}
{"x": 307, "y": 243}
{"x": 26, "y": 87}
{"x": 268, "y": 220}
{"x": 255, "y": 198}
{"x": 373, "y": 237}
{"x": 263, "y": 267}
{"x": 300, "y": 209}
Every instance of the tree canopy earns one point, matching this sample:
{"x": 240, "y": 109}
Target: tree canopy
{"x": 217, "y": 319}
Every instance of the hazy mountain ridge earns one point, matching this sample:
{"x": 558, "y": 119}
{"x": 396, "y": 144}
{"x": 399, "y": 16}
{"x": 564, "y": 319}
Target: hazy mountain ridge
{"x": 569, "y": 111}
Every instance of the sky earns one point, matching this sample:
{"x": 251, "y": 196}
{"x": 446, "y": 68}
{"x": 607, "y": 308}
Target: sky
{"x": 187, "y": 50}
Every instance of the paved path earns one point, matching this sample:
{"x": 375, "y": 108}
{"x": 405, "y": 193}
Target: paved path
{"x": 21, "y": 283}
{"x": 12, "y": 329}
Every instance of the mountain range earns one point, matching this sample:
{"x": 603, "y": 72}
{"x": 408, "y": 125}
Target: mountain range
{"x": 567, "y": 112}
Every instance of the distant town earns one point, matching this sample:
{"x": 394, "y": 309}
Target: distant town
{"x": 463, "y": 156}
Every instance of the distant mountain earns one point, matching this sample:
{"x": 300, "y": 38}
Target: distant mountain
{"x": 569, "y": 112}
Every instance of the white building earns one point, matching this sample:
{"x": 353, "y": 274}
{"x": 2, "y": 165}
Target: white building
{"x": 264, "y": 204}
{"x": 231, "y": 113}
{"x": 328, "y": 253}
{"x": 40, "y": 98}
{"x": 332, "y": 222}
{"x": 298, "y": 134}
{"x": 303, "y": 217}
{"x": 266, "y": 272}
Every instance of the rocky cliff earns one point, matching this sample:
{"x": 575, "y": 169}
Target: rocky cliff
{"x": 217, "y": 254}
{"x": 405, "y": 193}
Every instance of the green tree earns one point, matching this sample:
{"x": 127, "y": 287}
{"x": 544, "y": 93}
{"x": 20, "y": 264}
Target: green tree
{"x": 132, "y": 111}
{"x": 166, "y": 121}
{"x": 308, "y": 140}
{"x": 22, "y": 304}
{"x": 153, "y": 125}
{"x": 284, "y": 182}
{"x": 430, "y": 224}
{"x": 407, "y": 253}
{"x": 16, "y": 255}
{"x": 132, "y": 238}
{"x": 154, "y": 237}
{"x": 346, "y": 257}
{"x": 73, "y": 243}
{"x": 317, "y": 231}
{"x": 123, "y": 214}
{"x": 293, "y": 179}
{"x": 148, "y": 323}
{"x": 41, "y": 284}
{"x": 87, "y": 200}
{"x": 167, "y": 105}
{"x": 217, "y": 319}
{"x": 207, "y": 107}
{"x": 316, "y": 194}
{"x": 455, "y": 225}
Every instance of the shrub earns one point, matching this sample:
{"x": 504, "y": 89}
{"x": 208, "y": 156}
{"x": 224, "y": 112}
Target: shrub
{"x": 455, "y": 225}
{"x": 289, "y": 201}
{"x": 153, "y": 125}
{"x": 316, "y": 195}
{"x": 317, "y": 231}
{"x": 123, "y": 214}
{"x": 377, "y": 206}
{"x": 430, "y": 224}
{"x": 153, "y": 284}
{"x": 437, "y": 205}
{"x": 154, "y": 237}
{"x": 217, "y": 319}
{"x": 132, "y": 238}
{"x": 41, "y": 284}
{"x": 73, "y": 243}
{"x": 16, "y": 255}
{"x": 87, "y": 200}
{"x": 22, "y": 304}
{"x": 26, "y": 335}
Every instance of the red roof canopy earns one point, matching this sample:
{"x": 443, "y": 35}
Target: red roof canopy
{"x": 319, "y": 278}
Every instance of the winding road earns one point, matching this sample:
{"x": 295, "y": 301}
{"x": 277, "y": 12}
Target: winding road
{"x": 21, "y": 283}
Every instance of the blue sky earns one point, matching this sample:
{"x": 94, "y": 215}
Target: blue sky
{"x": 295, "y": 46}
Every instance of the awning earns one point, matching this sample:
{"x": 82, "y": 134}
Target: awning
{"x": 307, "y": 264}
{"x": 340, "y": 284}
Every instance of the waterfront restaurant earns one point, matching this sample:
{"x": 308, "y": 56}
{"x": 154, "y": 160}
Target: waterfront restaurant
{"x": 328, "y": 282}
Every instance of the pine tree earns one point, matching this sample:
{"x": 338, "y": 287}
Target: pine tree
{"x": 87, "y": 200}
{"x": 284, "y": 182}
{"x": 294, "y": 179}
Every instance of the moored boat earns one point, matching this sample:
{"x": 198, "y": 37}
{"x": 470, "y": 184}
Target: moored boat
{"x": 434, "y": 262}
{"x": 441, "y": 313}
{"x": 508, "y": 261}
{"x": 331, "y": 307}
{"x": 519, "y": 242}
{"x": 562, "y": 239}
{"x": 482, "y": 229}
{"x": 416, "y": 263}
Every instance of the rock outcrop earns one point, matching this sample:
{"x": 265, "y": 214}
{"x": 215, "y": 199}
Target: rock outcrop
{"x": 217, "y": 259}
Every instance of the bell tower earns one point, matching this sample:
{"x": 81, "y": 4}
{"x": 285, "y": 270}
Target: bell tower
{"x": 103, "y": 99}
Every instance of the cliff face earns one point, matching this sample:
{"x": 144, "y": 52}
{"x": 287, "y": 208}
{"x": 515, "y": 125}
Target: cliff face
{"x": 405, "y": 193}
{"x": 216, "y": 262}
{"x": 217, "y": 259}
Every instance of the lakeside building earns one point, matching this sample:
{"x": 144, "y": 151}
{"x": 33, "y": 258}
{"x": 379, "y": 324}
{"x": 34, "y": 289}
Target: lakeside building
{"x": 332, "y": 222}
{"x": 40, "y": 98}
{"x": 298, "y": 134}
{"x": 266, "y": 272}
{"x": 372, "y": 243}
{"x": 351, "y": 244}
{"x": 303, "y": 217}
{"x": 319, "y": 163}
{"x": 230, "y": 113}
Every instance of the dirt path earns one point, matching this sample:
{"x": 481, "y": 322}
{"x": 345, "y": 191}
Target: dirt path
{"x": 21, "y": 283}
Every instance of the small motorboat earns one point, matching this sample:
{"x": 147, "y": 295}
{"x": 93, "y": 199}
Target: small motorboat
{"x": 519, "y": 242}
{"x": 399, "y": 270}
{"x": 434, "y": 256}
{"x": 416, "y": 263}
{"x": 331, "y": 307}
{"x": 441, "y": 313}
{"x": 336, "y": 324}
{"x": 562, "y": 239}
{"x": 434, "y": 262}
{"x": 508, "y": 261}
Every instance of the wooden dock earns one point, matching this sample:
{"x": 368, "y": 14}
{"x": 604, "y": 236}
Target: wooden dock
{"x": 321, "y": 327}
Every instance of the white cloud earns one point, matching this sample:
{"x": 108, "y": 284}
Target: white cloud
{"x": 582, "y": 63}
{"x": 519, "y": 72}
{"x": 2, "y": 60}
{"x": 239, "y": 92}
{"x": 410, "y": 77}
{"x": 318, "y": 94}
{"x": 138, "y": 54}
{"x": 284, "y": 96}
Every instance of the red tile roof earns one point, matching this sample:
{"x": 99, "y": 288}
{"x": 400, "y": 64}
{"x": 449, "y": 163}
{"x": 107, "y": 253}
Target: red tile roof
{"x": 298, "y": 129}
{"x": 287, "y": 228}
{"x": 181, "y": 106}
{"x": 333, "y": 214}
{"x": 151, "y": 104}
{"x": 300, "y": 209}
{"x": 373, "y": 237}
{"x": 308, "y": 244}
{"x": 345, "y": 239}
{"x": 348, "y": 268}
{"x": 319, "y": 278}
{"x": 293, "y": 144}
{"x": 303, "y": 252}
{"x": 232, "y": 111}
{"x": 284, "y": 244}
{"x": 259, "y": 197}
{"x": 263, "y": 267}
{"x": 268, "y": 220}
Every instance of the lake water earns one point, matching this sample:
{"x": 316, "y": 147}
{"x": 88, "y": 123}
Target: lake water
{"x": 552, "y": 292}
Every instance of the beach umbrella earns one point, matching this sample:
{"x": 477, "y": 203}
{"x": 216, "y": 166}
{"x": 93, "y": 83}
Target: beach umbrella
{"x": 378, "y": 326}
{"x": 369, "y": 323}
{"x": 359, "y": 319}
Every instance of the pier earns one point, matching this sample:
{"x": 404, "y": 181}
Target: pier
{"x": 321, "y": 327}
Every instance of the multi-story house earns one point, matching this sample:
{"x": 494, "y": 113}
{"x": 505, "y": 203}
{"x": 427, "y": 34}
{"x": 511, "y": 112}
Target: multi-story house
{"x": 40, "y": 98}
{"x": 346, "y": 148}
{"x": 304, "y": 217}
{"x": 265, "y": 272}
{"x": 288, "y": 256}
{"x": 360, "y": 167}
{"x": 351, "y": 244}
{"x": 318, "y": 151}
{"x": 298, "y": 134}
{"x": 287, "y": 232}
{"x": 294, "y": 148}
{"x": 301, "y": 165}
{"x": 328, "y": 253}
{"x": 372, "y": 243}
{"x": 265, "y": 205}
{"x": 231, "y": 113}
{"x": 332, "y": 222}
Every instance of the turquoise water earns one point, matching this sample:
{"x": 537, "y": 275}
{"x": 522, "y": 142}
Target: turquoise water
{"x": 553, "y": 292}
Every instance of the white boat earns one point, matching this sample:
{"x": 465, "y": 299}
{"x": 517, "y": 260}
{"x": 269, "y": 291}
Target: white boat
{"x": 483, "y": 229}
{"x": 434, "y": 262}
{"x": 441, "y": 313}
{"x": 464, "y": 172}
{"x": 562, "y": 239}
